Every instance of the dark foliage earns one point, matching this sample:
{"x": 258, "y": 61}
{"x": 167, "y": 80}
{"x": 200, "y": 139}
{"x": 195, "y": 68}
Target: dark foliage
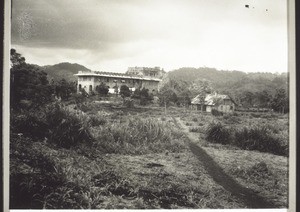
{"x": 280, "y": 102}
{"x": 30, "y": 123}
{"x": 217, "y": 133}
{"x": 32, "y": 174}
{"x": 124, "y": 91}
{"x": 261, "y": 139}
{"x": 102, "y": 89}
{"x": 64, "y": 89}
{"x": 143, "y": 95}
{"x": 215, "y": 112}
{"x": 66, "y": 129}
{"x": 29, "y": 87}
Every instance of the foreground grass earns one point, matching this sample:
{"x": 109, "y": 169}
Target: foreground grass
{"x": 133, "y": 158}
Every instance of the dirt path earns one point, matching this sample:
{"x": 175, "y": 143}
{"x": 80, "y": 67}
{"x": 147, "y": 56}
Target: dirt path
{"x": 248, "y": 196}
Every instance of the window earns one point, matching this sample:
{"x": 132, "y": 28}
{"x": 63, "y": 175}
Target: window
{"x": 107, "y": 79}
{"x": 123, "y": 81}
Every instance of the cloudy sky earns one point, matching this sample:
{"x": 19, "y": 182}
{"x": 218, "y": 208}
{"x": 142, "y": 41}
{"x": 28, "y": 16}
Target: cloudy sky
{"x": 112, "y": 35}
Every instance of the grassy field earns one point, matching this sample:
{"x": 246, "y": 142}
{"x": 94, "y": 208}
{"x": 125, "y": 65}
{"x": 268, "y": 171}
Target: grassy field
{"x": 102, "y": 155}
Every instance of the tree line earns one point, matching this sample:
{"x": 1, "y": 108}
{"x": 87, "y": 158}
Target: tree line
{"x": 31, "y": 88}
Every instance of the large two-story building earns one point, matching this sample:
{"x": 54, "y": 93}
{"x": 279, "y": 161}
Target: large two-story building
{"x": 90, "y": 80}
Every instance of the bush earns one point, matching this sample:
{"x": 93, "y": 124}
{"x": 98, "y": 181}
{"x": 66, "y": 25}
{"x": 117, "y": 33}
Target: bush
{"x": 215, "y": 112}
{"x": 95, "y": 120}
{"x": 78, "y": 98}
{"x": 230, "y": 119}
{"x": 128, "y": 103}
{"x": 31, "y": 124}
{"x": 66, "y": 129}
{"x": 261, "y": 139}
{"x": 217, "y": 133}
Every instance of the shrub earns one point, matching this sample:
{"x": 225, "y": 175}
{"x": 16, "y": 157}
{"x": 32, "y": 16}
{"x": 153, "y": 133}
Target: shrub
{"x": 188, "y": 124}
{"x": 78, "y": 97}
{"x": 128, "y": 103}
{"x": 31, "y": 124}
{"x": 95, "y": 120}
{"x": 261, "y": 139}
{"x": 66, "y": 129}
{"x": 194, "y": 119}
{"x": 217, "y": 133}
{"x": 215, "y": 112}
{"x": 230, "y": 119}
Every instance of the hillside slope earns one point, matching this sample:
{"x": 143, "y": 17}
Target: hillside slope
{"x": 63, "y": 70}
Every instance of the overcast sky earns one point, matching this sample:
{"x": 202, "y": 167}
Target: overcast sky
{"x": 112, "y": 35}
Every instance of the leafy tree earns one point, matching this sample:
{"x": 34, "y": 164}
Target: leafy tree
{"x": 247, "y": 99}
{"x": 16, "y": 58}
{"x": 184, "y": 98}
{"x": 280, "y": 102}
{"x": 64, "y": 89}
{"x": 124, "y": 91}
{"x": 137, "y": 93}
{"x": 143, "y": 95}
{"x": 28, "y": 84}
{"x": 262, "y": 99}
{"x": 168, "y": 96}
{"x": 102, "y": 89}
{"x": 201, "y": 86}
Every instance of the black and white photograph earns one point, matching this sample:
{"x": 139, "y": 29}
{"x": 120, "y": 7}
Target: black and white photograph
{"x": 149, "y": 104}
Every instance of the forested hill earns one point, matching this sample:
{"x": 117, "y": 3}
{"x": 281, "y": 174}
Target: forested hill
{"x": 248, "y": 89}
{"x": 63, "y": 70}
{"x": 223, "y": 81}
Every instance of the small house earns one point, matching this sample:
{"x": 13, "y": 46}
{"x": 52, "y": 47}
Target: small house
{"x": 222, "y": 103}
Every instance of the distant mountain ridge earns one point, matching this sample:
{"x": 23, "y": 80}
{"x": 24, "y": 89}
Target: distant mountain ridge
{"x": 63, "y": 70}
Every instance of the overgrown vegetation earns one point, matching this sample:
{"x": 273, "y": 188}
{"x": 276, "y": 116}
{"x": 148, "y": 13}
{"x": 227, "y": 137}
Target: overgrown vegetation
{"x": 138, "y": 136}
{"x": 218, "y": 133}
{"x": 258, "y": 138}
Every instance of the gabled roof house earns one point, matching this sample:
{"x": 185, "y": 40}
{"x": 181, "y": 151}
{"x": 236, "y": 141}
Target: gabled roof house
{"x": 220, "y": 102}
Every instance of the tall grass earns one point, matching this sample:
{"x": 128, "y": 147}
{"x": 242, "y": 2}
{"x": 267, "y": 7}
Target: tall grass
{"x": 259, "y": 138}
{"x": 138, "y": 136}
{"x": 218, "y": 133}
